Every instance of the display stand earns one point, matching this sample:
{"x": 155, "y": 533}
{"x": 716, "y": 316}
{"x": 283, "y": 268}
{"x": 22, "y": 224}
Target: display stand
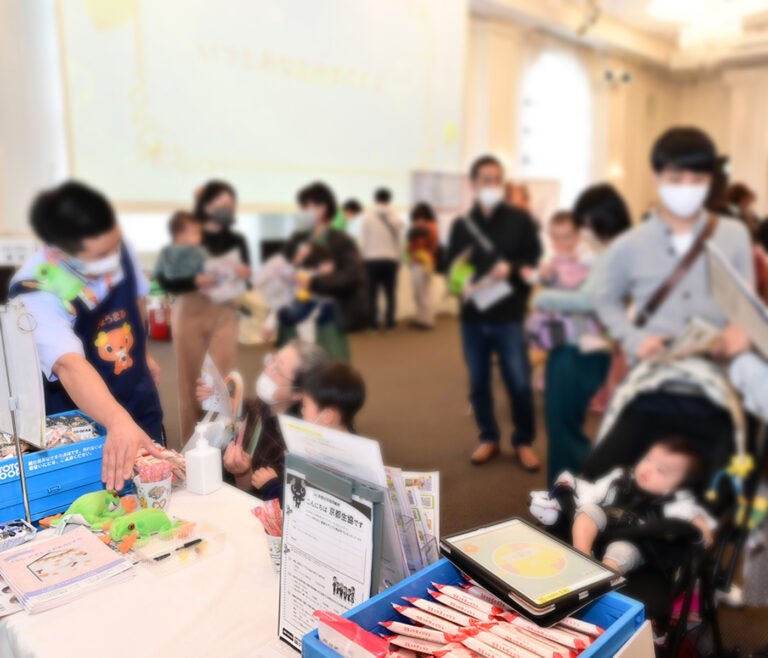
{"x": 22, "y": 411}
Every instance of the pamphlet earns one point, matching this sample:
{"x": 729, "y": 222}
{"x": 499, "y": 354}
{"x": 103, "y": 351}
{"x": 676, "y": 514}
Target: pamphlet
{"x": 698, "y": 337}
{"x": 356, "y": 457}
{"x": 228, "y": 286}
{"x": 9, "y": 603}
{"x": 487, "y": 292}
{"x": 737, "y": 298}
{"x": 46, "y": 573}
{"x": 327, "y": 555}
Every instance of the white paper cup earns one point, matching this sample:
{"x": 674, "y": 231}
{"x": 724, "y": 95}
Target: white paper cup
{"x": 275, "y": 551}
{"x": 153, "y": 494}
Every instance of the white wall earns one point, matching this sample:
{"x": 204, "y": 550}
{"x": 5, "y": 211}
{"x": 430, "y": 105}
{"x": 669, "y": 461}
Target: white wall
{"x": 32, "y": 139}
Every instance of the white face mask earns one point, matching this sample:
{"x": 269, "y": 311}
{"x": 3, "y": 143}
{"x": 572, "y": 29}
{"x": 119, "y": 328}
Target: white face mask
{"x": 109, "y": 265}
{"x": 683, "y": 200}
{"x": 266, "y": 389}
{"x": 490, "y": 197}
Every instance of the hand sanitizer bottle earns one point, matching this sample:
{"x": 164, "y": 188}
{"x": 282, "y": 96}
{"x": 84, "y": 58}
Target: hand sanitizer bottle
{"x": 203, "y": 465}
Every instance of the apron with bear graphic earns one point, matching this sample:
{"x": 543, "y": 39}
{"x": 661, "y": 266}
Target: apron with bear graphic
{"x": 114, "y": 342}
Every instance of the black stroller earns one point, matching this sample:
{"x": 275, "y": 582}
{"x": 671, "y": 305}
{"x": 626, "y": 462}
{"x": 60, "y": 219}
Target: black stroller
{"x": 677, "y": 568}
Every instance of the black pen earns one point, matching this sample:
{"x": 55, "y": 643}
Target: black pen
{"x": 178, "y": 548}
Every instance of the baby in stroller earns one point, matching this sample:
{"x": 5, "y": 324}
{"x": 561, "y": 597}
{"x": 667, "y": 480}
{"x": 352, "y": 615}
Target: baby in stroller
{"x": 660, "y": 486}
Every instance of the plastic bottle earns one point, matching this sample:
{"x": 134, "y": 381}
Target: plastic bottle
{"x": 203, "y": 465}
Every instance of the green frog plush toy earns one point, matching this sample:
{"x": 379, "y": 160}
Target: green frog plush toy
{"x": 97, "y": 508}
{"x": 54, "y": 279}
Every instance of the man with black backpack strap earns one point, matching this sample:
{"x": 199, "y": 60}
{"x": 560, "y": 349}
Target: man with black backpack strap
{"x": 494, "y": 241}
{"x": 381, "y": 243}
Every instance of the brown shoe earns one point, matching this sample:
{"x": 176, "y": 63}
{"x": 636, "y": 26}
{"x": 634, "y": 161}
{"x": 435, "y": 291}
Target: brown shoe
{"x": 484, "y": 453}
{"x": 528, "y": 459}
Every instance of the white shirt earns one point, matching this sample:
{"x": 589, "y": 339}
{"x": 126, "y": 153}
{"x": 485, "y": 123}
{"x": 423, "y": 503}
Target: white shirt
{"x": 54, "y": 327}
{"x": 380, "y": 240}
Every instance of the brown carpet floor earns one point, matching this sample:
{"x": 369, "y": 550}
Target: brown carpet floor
{"x": 417, "y": 408}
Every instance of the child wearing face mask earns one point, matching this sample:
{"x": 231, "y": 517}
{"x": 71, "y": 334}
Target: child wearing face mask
{"x": 656, "y": 488}
{"x": 185, "y": 257}
{"x": 331, "y": 396}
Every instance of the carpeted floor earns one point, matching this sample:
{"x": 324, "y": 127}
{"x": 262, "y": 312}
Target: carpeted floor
{"x": 417, "y": 408}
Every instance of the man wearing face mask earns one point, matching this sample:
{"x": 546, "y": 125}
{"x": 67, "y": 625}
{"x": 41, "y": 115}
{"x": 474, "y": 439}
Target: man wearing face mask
{"x": 85, "y": 290}
{"x": 498, "y": 240}
{"x": 661, "y": 268}
{"x": 683, "y": 161}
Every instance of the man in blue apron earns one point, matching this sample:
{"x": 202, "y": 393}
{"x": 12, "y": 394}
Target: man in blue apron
{"x": 84, "y": 289}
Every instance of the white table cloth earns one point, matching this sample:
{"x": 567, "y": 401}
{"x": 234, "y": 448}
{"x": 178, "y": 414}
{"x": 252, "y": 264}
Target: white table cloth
{"x": 224, "y": 605}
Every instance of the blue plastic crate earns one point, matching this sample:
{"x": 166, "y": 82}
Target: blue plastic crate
{"x": 55, "y": 477}
{"x": 619, "y": 615}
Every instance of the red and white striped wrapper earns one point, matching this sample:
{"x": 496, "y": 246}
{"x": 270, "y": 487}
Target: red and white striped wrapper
{"x": 593, "y": 630}
{"x": 422, "y": 617}
{"x": 399, "y": 652}
{"x": 486, "y": 609}
{"x": 529, "y": 642}
{"x": 484, "y": 595}
{"x": 422, "y": 633}
{"x": 468, "y": 610}
{"x": 414, "y": 644}
{"x": 554, "y": 646}
{"x": 566, "y": 638}
{"x": 510, "y": 648}
{"x": 455, "y": 651}
{"x": 440, "y": 610}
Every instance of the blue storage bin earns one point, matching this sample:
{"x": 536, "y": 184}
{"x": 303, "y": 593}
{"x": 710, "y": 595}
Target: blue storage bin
{"x": 619, "y": 615}
{"x": 55, "y": 477}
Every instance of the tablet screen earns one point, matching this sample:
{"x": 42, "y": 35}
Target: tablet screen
{"x": 534, "y": 564}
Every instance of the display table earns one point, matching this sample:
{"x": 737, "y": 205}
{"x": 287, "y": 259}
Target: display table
{"x": 224, "y": 605}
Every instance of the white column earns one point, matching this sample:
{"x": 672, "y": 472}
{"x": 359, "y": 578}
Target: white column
{"x": 33, "y": 151}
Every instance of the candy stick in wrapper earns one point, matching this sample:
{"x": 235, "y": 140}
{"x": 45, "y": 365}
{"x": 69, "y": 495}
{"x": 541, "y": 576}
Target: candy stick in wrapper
{"x": 455, "y": 651}
{"x": 463, "y": 596}
{"x": 414, "y": 644}
{"x": 514, "y": 650}
{"x": 420, "y": 632}
{"x": 566, "y": 638}
{"x": 552, "y": 646}
{"x": 440, "y": 610}
{"x": 490, "y": 652}
{"x": 537, "y": 646}
{"x": 401, "y": 653}
{"x": 484, "y": 595}
{"x": 464, "y": 608}
{"x": 425, "y": 618}
{"x": 593, "y": 630}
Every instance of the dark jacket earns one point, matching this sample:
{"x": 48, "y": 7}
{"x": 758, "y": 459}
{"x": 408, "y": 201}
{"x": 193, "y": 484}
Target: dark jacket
{"x": 347, "y": 284}
{"x": 515, "y": 239}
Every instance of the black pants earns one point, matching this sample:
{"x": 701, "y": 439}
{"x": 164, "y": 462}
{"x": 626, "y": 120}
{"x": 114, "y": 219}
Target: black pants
{"x": 382, "y": 273}
{"x": 651, "y": 416}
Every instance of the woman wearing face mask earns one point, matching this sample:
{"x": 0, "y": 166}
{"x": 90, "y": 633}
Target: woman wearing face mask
{"x": 199, "y": 324}
{"x": 660, "y": 266}
{"x": 277, "y": 392}
{"x": 577, "y": 368}
{"x": 340, "y": 279}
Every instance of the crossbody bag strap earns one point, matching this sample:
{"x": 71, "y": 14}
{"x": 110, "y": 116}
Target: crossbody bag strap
{"x": 479, "y": 237}
{"x": 394, "y": 233}
{"x": 674, "y": 279}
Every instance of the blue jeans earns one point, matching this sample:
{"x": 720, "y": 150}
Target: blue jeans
{"x": 507, "y": 340}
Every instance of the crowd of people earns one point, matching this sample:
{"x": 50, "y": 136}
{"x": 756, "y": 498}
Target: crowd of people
{"x": 606, "y": 293}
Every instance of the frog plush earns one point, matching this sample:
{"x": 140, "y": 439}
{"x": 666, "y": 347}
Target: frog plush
{"x": 97, "y": 508}
{"x": 51, "y": 278}
{"x": 126, "y": 530}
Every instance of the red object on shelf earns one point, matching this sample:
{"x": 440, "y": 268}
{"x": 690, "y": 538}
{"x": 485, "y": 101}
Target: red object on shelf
{"x": 160, "y": 322}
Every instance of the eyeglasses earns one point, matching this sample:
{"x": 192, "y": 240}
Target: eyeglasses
{"x": 270, "y": 363}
